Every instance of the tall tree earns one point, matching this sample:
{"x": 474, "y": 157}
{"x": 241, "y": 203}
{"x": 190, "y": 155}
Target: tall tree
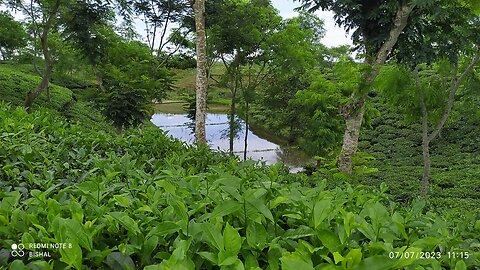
{"x": 158, "y": 17}
{"x": 378, "y": 25}
{"x": 238, "y": 34}
{"x": 201, "y": 83}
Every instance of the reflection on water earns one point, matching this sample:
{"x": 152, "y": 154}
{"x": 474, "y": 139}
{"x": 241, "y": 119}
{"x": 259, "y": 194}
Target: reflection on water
{"x": 216, "y": 128}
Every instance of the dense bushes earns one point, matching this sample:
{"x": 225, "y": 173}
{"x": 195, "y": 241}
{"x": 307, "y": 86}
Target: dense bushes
{"x": 142, "y": 200}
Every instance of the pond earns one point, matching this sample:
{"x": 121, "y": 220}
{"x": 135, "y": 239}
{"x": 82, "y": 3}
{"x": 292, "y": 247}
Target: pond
{"x": 260, "y": 148}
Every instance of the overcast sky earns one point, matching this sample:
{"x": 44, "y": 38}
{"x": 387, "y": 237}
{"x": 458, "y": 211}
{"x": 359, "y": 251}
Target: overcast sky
{"x": 335, "y": 36}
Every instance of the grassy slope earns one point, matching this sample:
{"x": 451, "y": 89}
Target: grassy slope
{"x": 455, "y": 174}
{"x": 185, "y": 84}
{"x": 15, "y": 83}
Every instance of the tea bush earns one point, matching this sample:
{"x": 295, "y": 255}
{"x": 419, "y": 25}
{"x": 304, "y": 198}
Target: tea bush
{"x": 145, "y": 201}
{"x": 14, "y": 84}
{"x": 455, "y": 159}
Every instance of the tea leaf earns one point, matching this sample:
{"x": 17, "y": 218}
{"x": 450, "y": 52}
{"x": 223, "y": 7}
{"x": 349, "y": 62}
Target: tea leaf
{"x": 329, "y": 240}
{"x": 260, "y": 206}
{"x": 226, "y": 208}
{"x": 213, "y": 236}
{"x": 117, "y": 260}
{"x": 162, "y": 229}
{"x": 123, "y": 201}
{"x": 256, "y": 235}
{"x": 72, "y": 256}
{"x": 291, "y": 261}
{"x": 126, "y": 221}
{"x": 321, "y": 211}
{"x": 232, "y": 240}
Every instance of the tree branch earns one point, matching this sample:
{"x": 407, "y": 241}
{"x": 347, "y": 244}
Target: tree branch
{"x": 455, "y": 84}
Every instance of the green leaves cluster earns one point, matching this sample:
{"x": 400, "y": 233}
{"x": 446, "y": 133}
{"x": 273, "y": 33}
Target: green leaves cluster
{"x": 12, "y": 35}
{"x": 143, "y": 201}
{"x": 132, "y": 79}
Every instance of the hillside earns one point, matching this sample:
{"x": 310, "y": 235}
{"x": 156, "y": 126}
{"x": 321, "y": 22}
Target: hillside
{"x": 185, "y": 85}
{"x": 15, "y": 82}
{"x": 394, "y": 148}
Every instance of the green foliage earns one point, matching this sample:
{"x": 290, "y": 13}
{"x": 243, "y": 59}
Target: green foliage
{"x": 362, "y": 17}
{"x": 306, "y": 107}
{"x": 85, "y": 24}
{"x": 132, "y": 80}
{"x": 181, "y": 61}
{"x": 125, "y": 103}
{"x": 143, "y": 200}
{"x": 12, "y": 35}
{"x": 14, "y": 84}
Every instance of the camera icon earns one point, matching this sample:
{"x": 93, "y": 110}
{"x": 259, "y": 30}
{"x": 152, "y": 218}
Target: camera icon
{"x": 17, "y": 250}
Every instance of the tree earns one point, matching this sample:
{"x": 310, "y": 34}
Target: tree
{"x": 238, "y": 34}
{"x": 320, "y": 124}
{"x": 87, "y": 28}
{"x": 129, "y": 83}
{"x": 426, "y": 94}
{"x": 158, "y": 16}
{"x": 201, "y": 79}
{"x": 43, "y": 16}
{"x": 437, "y": 61}
{"x": 378, "y": 25}
{"x": 12, "y": 35}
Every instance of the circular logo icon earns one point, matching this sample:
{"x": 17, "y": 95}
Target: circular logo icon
{"x": 17, "y": 250}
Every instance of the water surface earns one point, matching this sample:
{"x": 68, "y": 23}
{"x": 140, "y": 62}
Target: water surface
{"x": 217, "y": 130}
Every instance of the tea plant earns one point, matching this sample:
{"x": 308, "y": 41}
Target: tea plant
{"x": 145, "y": 201}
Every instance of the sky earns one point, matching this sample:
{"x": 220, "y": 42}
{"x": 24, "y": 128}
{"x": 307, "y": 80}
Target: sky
{"x": 335, "y": 36}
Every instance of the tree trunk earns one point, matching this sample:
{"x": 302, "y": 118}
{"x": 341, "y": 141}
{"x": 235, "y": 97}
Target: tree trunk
{"x": 425, "y": 140}
{"x": 232, "y": 121}
{"x": 99, "y": 77}
{"x": 353, "y": 122}
{"x": 426, "y": 137}
{"x": 426, "y": 158}
{"x": 32, "y": 95}
{"x": 353, "y": 112}
{"x": 201, "y": 80}
{"x": 246, "y": 132}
